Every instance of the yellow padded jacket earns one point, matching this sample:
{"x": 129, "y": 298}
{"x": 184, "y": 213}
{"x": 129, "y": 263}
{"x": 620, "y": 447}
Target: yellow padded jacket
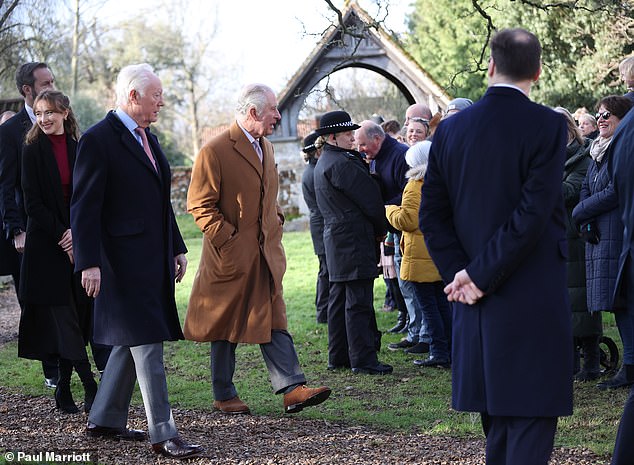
{"x": 416, "y": 265}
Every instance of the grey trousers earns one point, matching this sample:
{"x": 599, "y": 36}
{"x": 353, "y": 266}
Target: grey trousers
{"x": 124, "y": 367}
{"x": 280, "y": 358}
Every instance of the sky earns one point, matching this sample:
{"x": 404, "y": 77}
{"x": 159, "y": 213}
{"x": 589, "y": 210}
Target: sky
{"x": 261, "y": 41}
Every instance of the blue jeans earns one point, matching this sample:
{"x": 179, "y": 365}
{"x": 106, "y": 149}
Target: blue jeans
{"x": 416, "y": 329}
{"x": 437, "y": 316}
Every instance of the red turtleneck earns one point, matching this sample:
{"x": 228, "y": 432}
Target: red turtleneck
{"x": 58, "y": 141}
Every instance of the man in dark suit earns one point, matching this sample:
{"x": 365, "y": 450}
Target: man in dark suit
{"x": 621, "y": 166}
{"x": 492, "y": 215}
{"x": 129, "y": 251}
{"x": 31, "y": 79}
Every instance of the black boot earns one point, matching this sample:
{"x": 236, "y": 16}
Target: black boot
{"x": 88, "y": 381}
{"x": 591, "y": 358}
{"x": 63, "y": 397}
{"x": 400, "y": 323}
{"x": 624, "y": 378}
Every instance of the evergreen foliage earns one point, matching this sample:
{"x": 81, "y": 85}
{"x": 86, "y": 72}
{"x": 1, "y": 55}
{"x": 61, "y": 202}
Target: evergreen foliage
{"x": 583, "y": 43}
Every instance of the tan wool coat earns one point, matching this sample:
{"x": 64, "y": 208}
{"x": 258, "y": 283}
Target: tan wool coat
{"x": 416, "y": 265}
{"x": 237, "y": 291}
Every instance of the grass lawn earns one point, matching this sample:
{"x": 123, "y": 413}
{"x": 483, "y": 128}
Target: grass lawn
{"x": 412, "y": 399}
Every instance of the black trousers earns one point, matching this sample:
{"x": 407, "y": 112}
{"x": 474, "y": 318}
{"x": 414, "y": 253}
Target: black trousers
{"x": 322, "y": 290}
{"x": 518, "y": 440}
{"x": 352, "y": 330}
{"x": 624, "y": 446}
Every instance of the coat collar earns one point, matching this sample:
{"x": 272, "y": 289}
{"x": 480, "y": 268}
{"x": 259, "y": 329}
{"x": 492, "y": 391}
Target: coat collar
{"x": 22, "y": 117}
{"x": 506, "y": 91}
{"x": 242, "y": 145}
{"x": 133, "y": 146}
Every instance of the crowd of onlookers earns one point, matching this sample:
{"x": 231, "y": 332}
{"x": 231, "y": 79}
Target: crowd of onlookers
{"x": 345, "y": 218}
{"x": 91, "y": 241}
{"x": 397, "y": 158}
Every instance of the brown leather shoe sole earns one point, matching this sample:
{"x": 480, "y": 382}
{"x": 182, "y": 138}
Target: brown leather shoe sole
{"x": 313, "y": 400}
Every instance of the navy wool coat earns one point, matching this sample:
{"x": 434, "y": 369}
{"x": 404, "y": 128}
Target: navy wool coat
{"x": 122, "y": 222}
{"x": 599, "y": 205}
{"x": 390, "y": 168}
{"x": 354, "y": 215}
{"x": 493, "y": 204}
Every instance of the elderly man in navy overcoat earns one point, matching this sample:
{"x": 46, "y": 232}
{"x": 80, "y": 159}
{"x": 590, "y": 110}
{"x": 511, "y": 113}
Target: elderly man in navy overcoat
{"x": 492, "y": 215}
{"x": 129, "y": 250}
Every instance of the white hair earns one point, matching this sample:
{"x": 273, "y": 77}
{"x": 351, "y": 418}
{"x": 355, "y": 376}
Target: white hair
{"x": 253, "y": 96}
{"x": 133, "y": 77}
{"x": 418, "y": 154}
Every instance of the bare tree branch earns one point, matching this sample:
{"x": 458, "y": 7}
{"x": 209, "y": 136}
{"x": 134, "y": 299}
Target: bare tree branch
{"x": 7, "y": 14}
{"x": 490, "y": 29}
{"x": 572, "y": 5}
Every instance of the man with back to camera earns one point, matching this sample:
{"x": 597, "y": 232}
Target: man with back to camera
{"x": 493, "y": 218}
{"x": 31, "y": 79}
{"x": 237, "y": 293}
{"x": 129, "y": 251}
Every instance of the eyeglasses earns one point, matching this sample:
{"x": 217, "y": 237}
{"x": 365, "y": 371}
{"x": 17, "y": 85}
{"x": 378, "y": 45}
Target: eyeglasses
{"x": 605, "y": 115}
{"x": 420, "y": 120}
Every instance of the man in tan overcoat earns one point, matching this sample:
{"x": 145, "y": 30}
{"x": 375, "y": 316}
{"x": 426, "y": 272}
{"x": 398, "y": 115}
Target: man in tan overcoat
{"x": 237, "y": 292}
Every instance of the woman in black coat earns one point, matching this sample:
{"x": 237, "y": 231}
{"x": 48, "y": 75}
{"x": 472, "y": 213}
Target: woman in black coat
{"x": 55, "y": 322}
{"x": 586, "y": 327}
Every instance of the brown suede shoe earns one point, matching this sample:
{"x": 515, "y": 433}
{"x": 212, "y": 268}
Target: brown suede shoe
{"x": 303, "y": 396}
{"x": 232, "y": 406}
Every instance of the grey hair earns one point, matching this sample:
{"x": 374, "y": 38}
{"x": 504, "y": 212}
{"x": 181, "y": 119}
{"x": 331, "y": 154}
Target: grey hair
{"x": 253, "y": 96}
{"x": 372, "y": 129}
{"x": 133, "y": 77}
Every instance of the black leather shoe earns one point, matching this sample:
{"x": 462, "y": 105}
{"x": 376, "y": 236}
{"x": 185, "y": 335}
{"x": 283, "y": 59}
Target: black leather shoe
{"x": 404, "y": 344}
{"x": 623, "y": 378}
{"x": 97, "y": 431}
{"x": 400, "y": 325}
{"x": 338, "y": 367}
{"x": 420, "y": 348}
{"x": 378, "y": 369}
{"x": 176, "y": 448}
{"x": 433, "y": 362}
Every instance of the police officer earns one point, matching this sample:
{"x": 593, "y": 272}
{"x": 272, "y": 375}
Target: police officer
{"x": 354, "y": 223}
{"x": 311, "y": 154}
